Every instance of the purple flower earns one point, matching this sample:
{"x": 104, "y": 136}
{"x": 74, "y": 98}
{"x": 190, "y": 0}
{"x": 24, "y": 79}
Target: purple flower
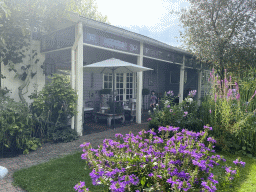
{"x": 168, "y": 106}
{"x": 210, "y": 111}
{"x": 237, "y": 162}
{"x": 192, "y": 93}
{"x": 150, "y": 174}
{"x": 185, "y": 113}
{"x": 151, "y": 132}
{"x": 210, "y": 139}
{"x": 206, "y": 127}
{"x": 170, "y": 93}
{"x": 149, "y": 119}
{"x": 171, "y": 110}
{"x": 118, "y": 135}
{"x": 85, "y": 144}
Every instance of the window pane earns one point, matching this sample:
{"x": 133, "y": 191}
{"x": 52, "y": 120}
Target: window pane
{"x": 121, "y": 91}
{"x": 127, "y": 85}
{"x": 121, "y": 85}
{"x": 110, "y": 77}
{"x": 128, "y": 91}
{"x": 105, "y": 78}
{"x": 131, "y": 85}
{"x": 105, "y": 85}
{"x": 117, "y": 85}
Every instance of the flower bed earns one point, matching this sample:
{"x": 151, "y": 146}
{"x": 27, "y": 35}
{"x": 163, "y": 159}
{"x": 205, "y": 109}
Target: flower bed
{"x": 175, "y": 161}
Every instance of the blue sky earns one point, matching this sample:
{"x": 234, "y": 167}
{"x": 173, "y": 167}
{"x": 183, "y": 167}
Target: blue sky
{"x": 151, "y": 18}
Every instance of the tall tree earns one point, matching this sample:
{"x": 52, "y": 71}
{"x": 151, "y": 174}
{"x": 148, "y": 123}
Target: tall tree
{"x": 221, "y": 31}
{"x": 88, "y": 9}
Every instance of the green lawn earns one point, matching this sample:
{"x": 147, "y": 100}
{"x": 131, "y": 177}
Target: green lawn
{"x": 57, "y": 175}
{"x": 62, "y": 174}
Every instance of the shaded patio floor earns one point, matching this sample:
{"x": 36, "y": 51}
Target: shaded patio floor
{"x": 91, "y": 127}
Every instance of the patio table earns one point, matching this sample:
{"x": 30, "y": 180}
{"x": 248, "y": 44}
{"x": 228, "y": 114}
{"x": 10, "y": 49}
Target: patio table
{"x": 109, "y": 117}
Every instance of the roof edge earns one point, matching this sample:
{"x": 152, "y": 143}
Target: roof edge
{"x": 123, "y": 32}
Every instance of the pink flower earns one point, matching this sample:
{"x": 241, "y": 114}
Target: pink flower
{"x": 210, "y": 111}
{"x": 237, "y": 96}
{"x": 185, "y": 113}
{"x": 171, "y": 110}
{"x": 149, "y": 119}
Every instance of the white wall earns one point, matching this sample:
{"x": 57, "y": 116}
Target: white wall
{"x": 12, "y": 82}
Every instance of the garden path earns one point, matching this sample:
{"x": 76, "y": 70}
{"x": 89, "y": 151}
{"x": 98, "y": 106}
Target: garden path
{"x": 94, "y": 133}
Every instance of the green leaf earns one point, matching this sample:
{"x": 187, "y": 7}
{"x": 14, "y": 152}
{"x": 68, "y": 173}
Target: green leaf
{"x": 244, "y": 148}
{"x": 143, "y": 181}
{"x": 249, "y": 155}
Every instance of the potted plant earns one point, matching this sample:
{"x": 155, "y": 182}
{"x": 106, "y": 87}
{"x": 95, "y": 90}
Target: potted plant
{"x": 105, "y": 91}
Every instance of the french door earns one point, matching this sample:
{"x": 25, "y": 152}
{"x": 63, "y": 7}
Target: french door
{"x": 125, "y": 84}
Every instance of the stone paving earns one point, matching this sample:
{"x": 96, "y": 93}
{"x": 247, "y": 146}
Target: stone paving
{"x": 54, "y": 150}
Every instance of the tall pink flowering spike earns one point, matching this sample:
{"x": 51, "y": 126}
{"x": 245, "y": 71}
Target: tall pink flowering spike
{"x": 237, "y": 96}
{"x": 237, "y": 87}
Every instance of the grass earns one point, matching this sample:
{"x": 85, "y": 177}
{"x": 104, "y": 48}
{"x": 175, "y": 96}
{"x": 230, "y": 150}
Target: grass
{"x": 62, "y": 174}
{"x": 247, "y": 179}
{"x": 57, "y": 175}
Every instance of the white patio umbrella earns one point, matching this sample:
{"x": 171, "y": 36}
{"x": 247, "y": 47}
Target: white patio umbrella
{"x": 114, "y": 66}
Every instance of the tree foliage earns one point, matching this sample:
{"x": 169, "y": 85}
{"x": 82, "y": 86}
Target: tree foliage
{"x": 222, "y": 32}
{"x": 18, "y": 18}
{"x": 88, "y": 9}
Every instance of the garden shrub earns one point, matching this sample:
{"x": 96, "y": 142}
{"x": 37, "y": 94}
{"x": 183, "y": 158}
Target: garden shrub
{"x": 17, "y": 133}
{"x": 53, "y": 108}
{"x": 244, "y": 132}
{"x": 184, "y": 115}
{"x": 224, "y": 110}
{"x": 147, "y": 162}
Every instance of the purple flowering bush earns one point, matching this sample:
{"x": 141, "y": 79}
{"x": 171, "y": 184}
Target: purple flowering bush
{"x": 182, "y": 162}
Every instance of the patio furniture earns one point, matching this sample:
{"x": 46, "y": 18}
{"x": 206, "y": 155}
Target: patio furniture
{"x": 109, "y": 117}
{"x": 114, "y": 66}
{"x": 88, "y": 108}
{"x": 131, "y": 108}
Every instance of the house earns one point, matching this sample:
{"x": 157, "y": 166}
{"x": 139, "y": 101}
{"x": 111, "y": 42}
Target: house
{"x": 80, "y": 41}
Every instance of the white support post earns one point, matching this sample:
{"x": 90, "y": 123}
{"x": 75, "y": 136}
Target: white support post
{"x": 73, "y": 81}
{"x": 182, "y": 70}
{"x": 139, "y": 86}
{"x": 77, "y": 78}
{"x": 199, "y": 85}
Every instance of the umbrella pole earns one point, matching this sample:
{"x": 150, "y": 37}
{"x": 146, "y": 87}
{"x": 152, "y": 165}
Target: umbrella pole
{"x": 113, "y": 74}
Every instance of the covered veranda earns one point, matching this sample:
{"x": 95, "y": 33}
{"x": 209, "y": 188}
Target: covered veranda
{"x": 82, "y": 41}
